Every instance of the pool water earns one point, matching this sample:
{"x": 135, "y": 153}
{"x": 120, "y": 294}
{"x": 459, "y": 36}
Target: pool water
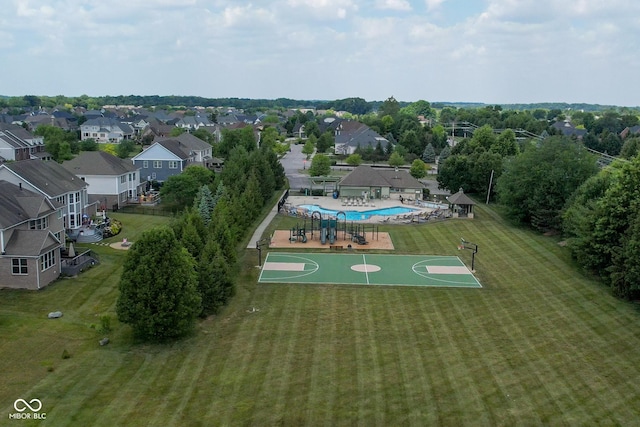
{"x": 360, "y": 215}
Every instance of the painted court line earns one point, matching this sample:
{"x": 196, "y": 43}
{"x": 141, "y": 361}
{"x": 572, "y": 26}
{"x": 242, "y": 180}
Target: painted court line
{"x": 284, "y": 266}
{"x": 444, "y": 269}
{"x": 366, "y": 271}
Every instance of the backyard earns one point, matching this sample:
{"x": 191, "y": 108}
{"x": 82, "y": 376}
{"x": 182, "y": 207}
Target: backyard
{"x": 539, "y": 344}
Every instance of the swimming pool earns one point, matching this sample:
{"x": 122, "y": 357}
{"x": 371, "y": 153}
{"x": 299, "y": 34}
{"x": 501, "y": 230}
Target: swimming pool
{"x": 360, "y": 215}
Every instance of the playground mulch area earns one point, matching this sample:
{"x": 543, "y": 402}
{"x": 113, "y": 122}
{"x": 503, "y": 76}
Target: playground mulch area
{"x": 380, "y": 240}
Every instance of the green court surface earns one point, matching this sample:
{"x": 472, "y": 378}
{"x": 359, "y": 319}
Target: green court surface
{"x": 370, "y": 269}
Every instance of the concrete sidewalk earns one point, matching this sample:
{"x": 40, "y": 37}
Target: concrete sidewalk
{"x": 257, "y": 235}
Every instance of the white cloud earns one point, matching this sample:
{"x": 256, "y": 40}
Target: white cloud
{"x": 433, "y": 4}
{"x": 510, "y": 50}
{"x": 400, "y": 5}
{"x": 325, "y": 9}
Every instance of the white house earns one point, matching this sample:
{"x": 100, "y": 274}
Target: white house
{"x": 112, "y": 180}
{"x": 103, "y": 130}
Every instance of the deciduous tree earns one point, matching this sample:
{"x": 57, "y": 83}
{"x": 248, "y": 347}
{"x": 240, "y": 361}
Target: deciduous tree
{"x": 418, "y": 169}
{"x": 320, "y": 165}
{"x": 536, "y": 184}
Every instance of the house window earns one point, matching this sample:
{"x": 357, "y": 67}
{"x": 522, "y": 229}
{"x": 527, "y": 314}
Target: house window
{"x": 145, "y": 164}
{"x": 19, "y": 266}
{"x": 157, "y": 164}
{"x": 153, "y": 175}
{"x": 39, "y": 224}
{"x": 173, "y": 164}
{"x": 123, "y": 179}
{"x": 48, "y": 260}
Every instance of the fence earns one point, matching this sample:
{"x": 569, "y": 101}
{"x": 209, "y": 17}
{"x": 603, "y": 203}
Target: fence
{"x": 146, "y": 210}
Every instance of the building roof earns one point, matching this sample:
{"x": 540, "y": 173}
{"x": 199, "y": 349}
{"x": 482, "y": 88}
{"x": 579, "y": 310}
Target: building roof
{"x": 98, "y": 163}
{"x": 30, "y": 243}
{"x": 353, "y": 134}
{"x": 460, "y": 198}
{"x": 367, "y": 176}
{"x": 108, "y": 123}
{"x": 47, "y": 176}
{"x": 19, "y": 204}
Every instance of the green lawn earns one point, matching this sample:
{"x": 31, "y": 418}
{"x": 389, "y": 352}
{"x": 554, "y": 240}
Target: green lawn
{"x": 540, "y": 344}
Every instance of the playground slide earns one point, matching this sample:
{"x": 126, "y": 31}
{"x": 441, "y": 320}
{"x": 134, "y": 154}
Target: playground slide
{"x": 323, "y": 235}
{"x": 332, "y": 235}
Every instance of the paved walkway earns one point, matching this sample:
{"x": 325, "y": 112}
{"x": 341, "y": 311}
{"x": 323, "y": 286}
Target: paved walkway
{"x": 257, "y": 235}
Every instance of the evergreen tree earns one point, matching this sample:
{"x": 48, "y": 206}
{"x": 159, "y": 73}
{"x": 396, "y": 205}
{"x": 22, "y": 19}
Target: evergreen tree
{"x": 192, "y": 238}
{"x": 429, "y": 154}
{"x": 444, "y": 154}
{"x": 158, "y": 287}
{"x": 215, "y": 284}
{"x": 204, "y": 203}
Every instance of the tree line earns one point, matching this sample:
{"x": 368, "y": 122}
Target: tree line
{"x": 176, "y": 273}
{"x": 555, "y": 185}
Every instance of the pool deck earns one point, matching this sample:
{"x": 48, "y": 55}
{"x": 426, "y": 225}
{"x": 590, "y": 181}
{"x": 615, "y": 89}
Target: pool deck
{"x": 336, "y": 204}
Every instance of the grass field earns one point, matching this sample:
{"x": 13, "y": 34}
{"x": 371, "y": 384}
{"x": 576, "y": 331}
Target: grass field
{"x": 540, "y": 344}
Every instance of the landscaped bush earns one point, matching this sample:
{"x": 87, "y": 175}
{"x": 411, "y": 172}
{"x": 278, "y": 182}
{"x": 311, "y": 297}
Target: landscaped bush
{"x": 113, "y": 228}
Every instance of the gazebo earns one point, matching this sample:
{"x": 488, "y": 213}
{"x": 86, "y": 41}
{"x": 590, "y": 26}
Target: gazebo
{"x": 462, "y": 205}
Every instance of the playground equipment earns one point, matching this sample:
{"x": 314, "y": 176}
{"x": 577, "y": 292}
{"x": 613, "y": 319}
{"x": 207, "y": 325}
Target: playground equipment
{"x": 328, "y": 230}
{"x": 358, "y": 232}
{"x": 298, "y": 234}
{"x": 328, "y": 227}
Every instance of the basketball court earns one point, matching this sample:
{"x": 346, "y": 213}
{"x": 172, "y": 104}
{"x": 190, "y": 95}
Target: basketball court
{"x": 367, "y": 269}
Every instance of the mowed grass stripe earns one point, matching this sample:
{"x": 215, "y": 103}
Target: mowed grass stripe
{"x": 371, "y": 415}
{"x": 87, "y": 391}
{"x": 290, "y": 301}
{"x": 134, "y": 385}
{"x": 538, "y": 391}
{"x": 320, "y": 399}
{"x": 413, "y": 365}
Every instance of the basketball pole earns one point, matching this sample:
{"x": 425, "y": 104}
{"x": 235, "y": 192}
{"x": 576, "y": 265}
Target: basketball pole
{"x": 474, "y": 248}
{"x": 259, "y": 244}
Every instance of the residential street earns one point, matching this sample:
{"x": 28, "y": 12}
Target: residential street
{"x": 292, "y": 162}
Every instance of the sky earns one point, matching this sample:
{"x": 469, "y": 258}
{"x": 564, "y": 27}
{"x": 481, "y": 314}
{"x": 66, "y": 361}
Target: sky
{"x": 489, "y": 51}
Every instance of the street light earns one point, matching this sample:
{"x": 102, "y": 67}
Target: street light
{"x": 470, "y": 246}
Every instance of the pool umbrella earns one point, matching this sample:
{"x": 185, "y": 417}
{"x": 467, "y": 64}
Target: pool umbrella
{"x": 72, "y": 251}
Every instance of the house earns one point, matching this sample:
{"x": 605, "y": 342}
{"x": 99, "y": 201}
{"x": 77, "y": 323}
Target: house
{"x": 380, "y": 183}
{"x": 349, "y": 135}
{"x": 112, "y": 181}
{"x": 168, "y": 157}
{"x": 568, "y": 129}
{"x": 31, "y": 236}
{"x": 57, "y": 184}
{"x": 633, "y": 131}
{"x": 194, "y": 122}
{"x": 104, "y": 130}
{"x": 16, "y": 143}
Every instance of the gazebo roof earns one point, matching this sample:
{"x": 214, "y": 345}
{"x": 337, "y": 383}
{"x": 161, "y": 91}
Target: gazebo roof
{"x": 460, "y": 198}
